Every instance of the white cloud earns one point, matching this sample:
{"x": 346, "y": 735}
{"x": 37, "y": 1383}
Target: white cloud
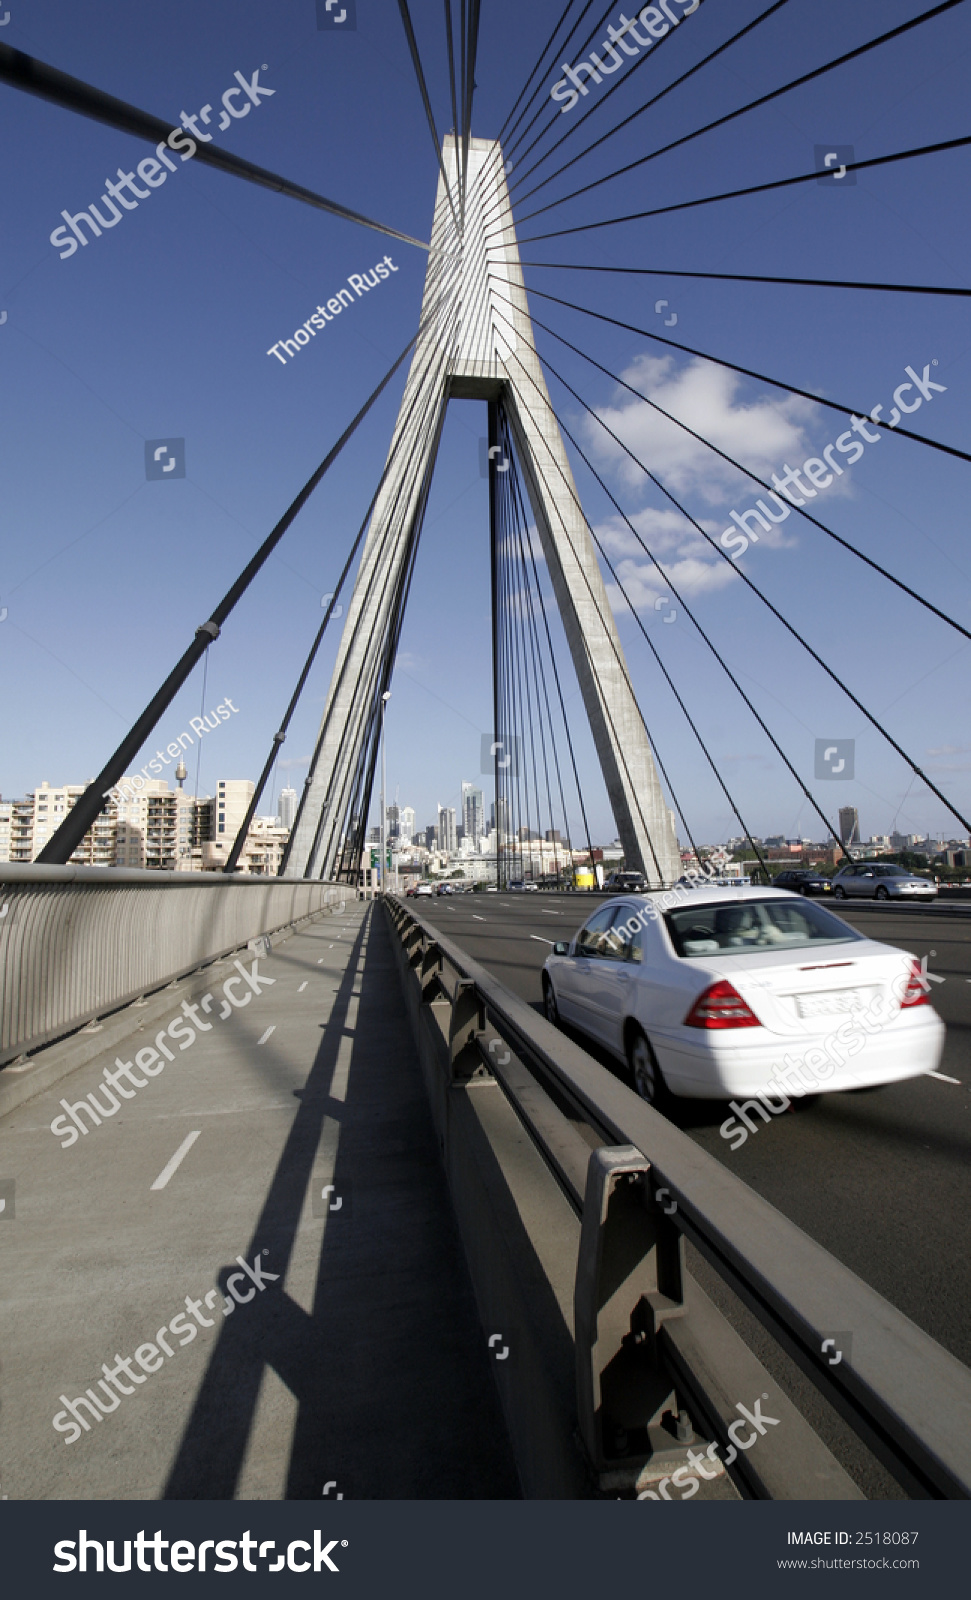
{"x": 762, "y": 434}
{"x": 687, "y": 558}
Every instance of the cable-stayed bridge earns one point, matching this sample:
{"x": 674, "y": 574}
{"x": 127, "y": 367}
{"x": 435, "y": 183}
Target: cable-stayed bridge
{"x": 577, "y": 1283}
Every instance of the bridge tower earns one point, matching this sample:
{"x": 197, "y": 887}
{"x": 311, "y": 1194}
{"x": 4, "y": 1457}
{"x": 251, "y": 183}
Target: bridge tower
{"x": 476, "y": 342}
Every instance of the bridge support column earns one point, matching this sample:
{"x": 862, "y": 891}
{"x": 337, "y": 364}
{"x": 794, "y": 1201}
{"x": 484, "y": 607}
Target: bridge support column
{"x": 477, "y": 343}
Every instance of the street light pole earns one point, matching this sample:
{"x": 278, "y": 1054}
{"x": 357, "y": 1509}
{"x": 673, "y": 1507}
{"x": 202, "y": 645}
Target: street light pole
{"x": 384, "y": 810}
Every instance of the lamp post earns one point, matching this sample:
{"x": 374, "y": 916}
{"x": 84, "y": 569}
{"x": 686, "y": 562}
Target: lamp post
{"x": 384, "y": 810}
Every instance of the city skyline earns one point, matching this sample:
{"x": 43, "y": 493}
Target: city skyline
{"x": 91, "y": 532}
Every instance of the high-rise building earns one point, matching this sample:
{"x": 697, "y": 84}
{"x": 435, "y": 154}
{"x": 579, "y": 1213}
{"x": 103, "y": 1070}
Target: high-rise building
{"x": 394, "y": 821}
{"x": 473, "y": 813}
{"x": 6, "y": 818}
{"x": 233, "y": 796}
{"x": 406, "y": 817}
{"x": 849, "y": 826}
{"x": 446, "y": 829}
{"x": 431, "y": 837}
{"x": 288, "y": 807}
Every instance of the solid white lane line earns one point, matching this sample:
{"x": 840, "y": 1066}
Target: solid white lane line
{"x": 303, "y": 986}
{"x": 179, "y": 1156}
{"x": 264, "y": 1036}
{"x": 942, "y": 1077}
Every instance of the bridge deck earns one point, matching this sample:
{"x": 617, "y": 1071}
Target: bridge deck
{"x": 361, "y": 1366}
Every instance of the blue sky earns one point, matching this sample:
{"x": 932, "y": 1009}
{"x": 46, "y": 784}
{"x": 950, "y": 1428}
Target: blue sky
{"x": 160, "y": 329}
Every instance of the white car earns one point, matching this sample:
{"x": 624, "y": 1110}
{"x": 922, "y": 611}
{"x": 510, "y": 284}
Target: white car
{"x": 424, "y": 889}
{"x": 726, "y": 992}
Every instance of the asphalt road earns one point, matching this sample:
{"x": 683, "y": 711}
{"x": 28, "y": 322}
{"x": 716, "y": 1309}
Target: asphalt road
{"x": 880, "y": 1177}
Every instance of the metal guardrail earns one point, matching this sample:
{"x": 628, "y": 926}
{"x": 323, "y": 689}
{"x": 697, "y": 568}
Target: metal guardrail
{"x": 79, "y": 942}
{"x": 639, "y": 1196}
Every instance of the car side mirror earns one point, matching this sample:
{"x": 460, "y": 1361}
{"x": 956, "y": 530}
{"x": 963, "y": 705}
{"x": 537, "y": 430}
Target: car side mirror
{"x": 560, "y": 948}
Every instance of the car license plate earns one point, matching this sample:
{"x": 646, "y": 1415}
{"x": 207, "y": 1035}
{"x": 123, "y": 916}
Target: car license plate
{"x": 836, "y": 1002}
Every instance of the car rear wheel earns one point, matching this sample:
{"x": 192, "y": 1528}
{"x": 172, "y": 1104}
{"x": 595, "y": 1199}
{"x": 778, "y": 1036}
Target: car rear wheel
{"x": 645, "y": 1072}
{"x": 839, "y": 893}
{"x": 550, "y": 1006}
{"x": 881, "y": 893}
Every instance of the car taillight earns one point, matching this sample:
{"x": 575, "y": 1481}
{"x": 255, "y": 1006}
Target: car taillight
{"x": 915, "y": 993}
{"x": 721, "y": 1006}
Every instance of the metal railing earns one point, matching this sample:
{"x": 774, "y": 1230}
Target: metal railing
{"x": 907, "y": 1398}
{"x": 79, "y": 942}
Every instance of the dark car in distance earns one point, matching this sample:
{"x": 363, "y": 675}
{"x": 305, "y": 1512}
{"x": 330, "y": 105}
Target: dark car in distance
{"x": 803, "y": 881}
{"x": 626, "y": 883}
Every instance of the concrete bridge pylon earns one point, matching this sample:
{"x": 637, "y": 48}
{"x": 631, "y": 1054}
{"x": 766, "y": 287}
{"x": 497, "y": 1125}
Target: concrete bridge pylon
{"x": 476, "y": 342}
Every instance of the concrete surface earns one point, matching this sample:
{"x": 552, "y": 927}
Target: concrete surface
{"x": 361, "y": 1367}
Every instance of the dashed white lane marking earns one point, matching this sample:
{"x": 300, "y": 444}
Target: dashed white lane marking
{"x": 180, "y": 1154}
{"x": 476, "y": 918}
{"x": 303, "y": 986}
{"x": 321, "y": 961}
{"x": 942, "y": 1077}
{"x": 264, "y": 1036}
{"x": 552, "y": 913}
{"x": 540, "y": 940}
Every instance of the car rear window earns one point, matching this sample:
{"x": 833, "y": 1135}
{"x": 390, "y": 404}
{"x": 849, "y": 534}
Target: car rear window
{"x": 740, "y": 925}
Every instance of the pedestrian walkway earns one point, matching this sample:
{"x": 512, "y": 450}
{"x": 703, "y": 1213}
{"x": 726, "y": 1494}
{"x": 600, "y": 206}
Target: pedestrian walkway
{"x": 251, "y": 1264}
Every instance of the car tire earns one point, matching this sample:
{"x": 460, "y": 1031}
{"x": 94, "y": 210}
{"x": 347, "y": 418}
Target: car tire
{"x": 645, "y": 1072}
{"x": 551, "y": 1010}
{"x": 880, "y": 893}
{"x": 839, "y": 893}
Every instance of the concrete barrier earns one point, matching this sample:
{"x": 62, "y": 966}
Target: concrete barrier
{"x": 77, "y": 943}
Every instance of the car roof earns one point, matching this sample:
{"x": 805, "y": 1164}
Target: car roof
{"x": 719, "y": 895}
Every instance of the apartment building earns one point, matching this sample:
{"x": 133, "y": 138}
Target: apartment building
{"x": 261, "y": 854}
